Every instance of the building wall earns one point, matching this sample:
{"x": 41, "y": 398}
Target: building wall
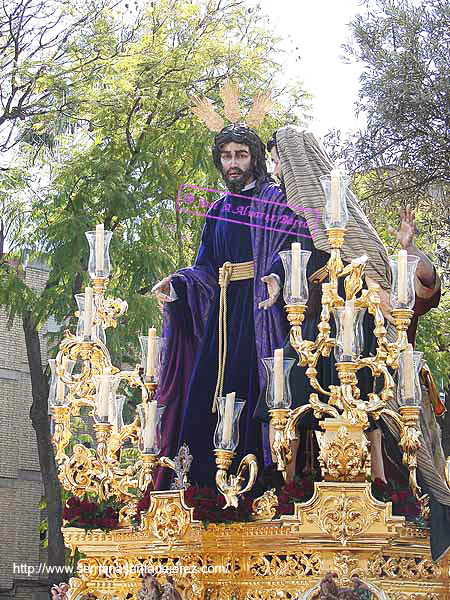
{"x": 20, "y": 479}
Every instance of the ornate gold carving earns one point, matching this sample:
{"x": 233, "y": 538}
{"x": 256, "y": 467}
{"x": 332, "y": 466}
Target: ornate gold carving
{"x": 289, "y": 565}
{"x": 230, "y": 486}
{"x": 415, "y": 596}
{"x": 284, "y": 556}
{"x": 167, "y": 520}
{"x": 346, "y": 565}
{"x": 108, "y": 311}
{"x": 343, "y": 517}
{"x": 280, "y": 445}
{"x": 76, "y": 588}
{"x": 344, "y": 457}
{"x": 62, "y": 434}
{"x": 265, "y": 507}
{"x": 274, "y": 594}
{"x": 410, "y": 443}
{"x": 404, "y": 567}
{"x": 223, "y": 592}
{"x": 345, "y": 511}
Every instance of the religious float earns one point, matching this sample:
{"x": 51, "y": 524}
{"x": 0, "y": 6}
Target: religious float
{"x": 341, "y": 542}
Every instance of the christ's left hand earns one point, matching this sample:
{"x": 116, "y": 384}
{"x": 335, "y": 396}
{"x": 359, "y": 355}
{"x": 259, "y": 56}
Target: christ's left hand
{"x": 273, "y": 291}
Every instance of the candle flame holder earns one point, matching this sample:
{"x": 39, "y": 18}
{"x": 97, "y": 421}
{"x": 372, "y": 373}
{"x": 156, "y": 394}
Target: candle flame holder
{"x": 230, "y": 486}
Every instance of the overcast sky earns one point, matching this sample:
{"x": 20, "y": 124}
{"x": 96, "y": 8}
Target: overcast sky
{"x": 318, "y": 28}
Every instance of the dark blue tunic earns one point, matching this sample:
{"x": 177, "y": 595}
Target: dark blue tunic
{"x": 223, "y": 241}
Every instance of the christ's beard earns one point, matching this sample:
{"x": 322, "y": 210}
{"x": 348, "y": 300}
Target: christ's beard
{"x": 237, "y": 184}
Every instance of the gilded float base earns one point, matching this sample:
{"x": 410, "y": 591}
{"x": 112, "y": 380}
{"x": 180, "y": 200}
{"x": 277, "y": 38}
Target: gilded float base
{"x": 342, "y": 529}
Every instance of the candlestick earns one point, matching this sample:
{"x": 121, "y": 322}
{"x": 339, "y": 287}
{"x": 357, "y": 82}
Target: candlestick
{"x": 100, "y": 249}
{"x": 296, "y": 249}
{"x": 335, "y": 195}
{"x": 228, "y": 418}
{"x": 88, "y": 299}
{"x": 409, "y": 372}
{"x": 278, "y": 377}
{"x": 402, "y": 276}
{"x": 349, "y": 313}
{"x": 149, "y": 432}
{"x": 151, "y": 352}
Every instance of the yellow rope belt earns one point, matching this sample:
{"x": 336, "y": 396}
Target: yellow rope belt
{"x": 229, "y": 272}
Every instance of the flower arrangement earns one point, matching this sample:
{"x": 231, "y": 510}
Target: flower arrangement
{"x": 208, "y": 505}
{"x": 90, "y": 515}
{"x": 299, "y": 490}
{"x": 403, "y": 502}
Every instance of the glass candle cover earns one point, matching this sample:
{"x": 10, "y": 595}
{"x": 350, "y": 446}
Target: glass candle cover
{"x": 106, "y": 387}
{"x": 159, "y": 353}
{"x": 150, "y": 415}
{"x": 409, "y": 392}
{"x": 407, "y": 296}
{"x": 271, "y": 400}
{"x": 58, "y": 392}
{"x": 301, "y": 294}
{"x": 115, "y": 416}
{"x": 233, "y": 440}
{"x": 97, "y": 330}
{"x": 335, "y": 187}
{"x": 346, "y": 342}
{"x": 93, "y": 269}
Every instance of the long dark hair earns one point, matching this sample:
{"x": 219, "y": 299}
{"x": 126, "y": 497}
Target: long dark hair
{"x": 241, "y": 134}
{"x": 272, "y": 143}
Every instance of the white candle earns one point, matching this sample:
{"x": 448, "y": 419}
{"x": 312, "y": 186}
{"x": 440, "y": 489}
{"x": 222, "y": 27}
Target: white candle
{"x": 228, "y": 418}
{"x": 402, "y": 275}
{"x": 100, "y": 249}
{"x": 296, "y": 249}
{"x": 88, "y": 298}
{"x": 408, "y": 372}
{"x": 335, "y": 195}
{"x": 112, "y": 415}
{"x": 60, "y": 390}
{"x": 349, "y": 312}
{"x": 151, "y": 351}
{"x": 103, "y": 400}
{"x": 60, "y": 385}
{"x": 278, "y": 377}
{"x": 149, "y": 432}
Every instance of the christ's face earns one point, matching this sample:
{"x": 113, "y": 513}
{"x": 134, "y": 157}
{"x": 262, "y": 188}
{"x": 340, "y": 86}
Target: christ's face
{"x": 276, "y": 162}
{"x": 237, "y": 167}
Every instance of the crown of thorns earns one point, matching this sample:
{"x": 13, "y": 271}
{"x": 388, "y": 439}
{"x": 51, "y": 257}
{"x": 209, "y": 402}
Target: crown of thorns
{"x": 203, "y": 108}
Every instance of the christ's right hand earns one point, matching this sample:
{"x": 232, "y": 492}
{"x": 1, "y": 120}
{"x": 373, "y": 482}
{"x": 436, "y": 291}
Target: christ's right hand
{"x": 162, "y": 291}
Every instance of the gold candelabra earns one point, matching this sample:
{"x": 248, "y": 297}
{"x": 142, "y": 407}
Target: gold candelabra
{"x": 94, "y": 386}
{"x": 344, "y": 451}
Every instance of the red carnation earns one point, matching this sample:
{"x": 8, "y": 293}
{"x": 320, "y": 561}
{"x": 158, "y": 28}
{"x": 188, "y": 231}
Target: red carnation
{"x": 87, "y": 506}
{"x": 207, "y": 492}
{"x": 403, "y": 495}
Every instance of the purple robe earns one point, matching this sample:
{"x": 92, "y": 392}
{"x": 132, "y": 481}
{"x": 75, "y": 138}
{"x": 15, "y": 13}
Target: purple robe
{"x": 190, "y": 325}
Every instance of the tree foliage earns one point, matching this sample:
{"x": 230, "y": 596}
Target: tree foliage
{"x": 402, "y": 156}
{"x": 404, "y": 48}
